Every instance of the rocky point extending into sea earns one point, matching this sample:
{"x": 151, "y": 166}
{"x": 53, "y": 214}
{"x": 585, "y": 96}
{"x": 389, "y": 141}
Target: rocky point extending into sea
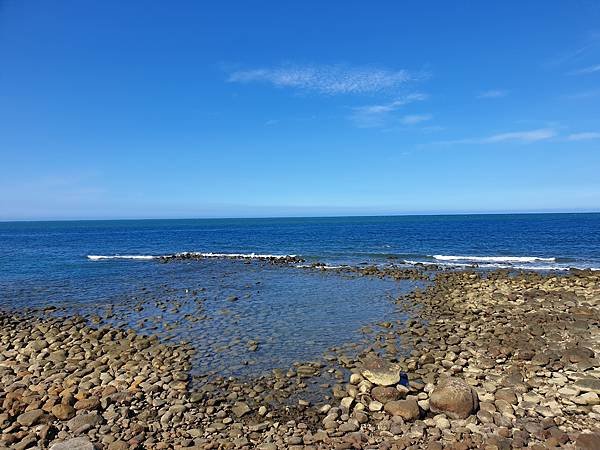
{"x": 494, "y": 360}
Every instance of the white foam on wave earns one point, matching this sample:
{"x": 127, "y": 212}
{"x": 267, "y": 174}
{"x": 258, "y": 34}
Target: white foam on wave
{"x": 102, "y": 257}
{"x": 495, "y": 265}
{"x": 498, "y": 259}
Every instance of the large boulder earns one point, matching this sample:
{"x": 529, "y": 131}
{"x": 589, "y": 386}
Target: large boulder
{"x": 455, "y": 398}
{"x": 381, "y": 372}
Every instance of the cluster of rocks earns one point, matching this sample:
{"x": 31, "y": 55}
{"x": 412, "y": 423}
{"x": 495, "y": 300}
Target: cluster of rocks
{"x": 498, "y": 361}
{"x": 273, "y": 259}
{"x": 492, "y": 361}
{"x": 64, "y": 385}
{"x": 381, "y": 271}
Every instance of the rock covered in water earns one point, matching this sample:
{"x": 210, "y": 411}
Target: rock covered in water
{"x": 455, "y": 398}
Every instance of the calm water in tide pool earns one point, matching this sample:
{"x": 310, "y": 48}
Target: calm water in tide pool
{"x": 294, "y": 314}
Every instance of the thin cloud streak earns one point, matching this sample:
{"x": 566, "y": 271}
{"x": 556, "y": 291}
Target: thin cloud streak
{"x": 587, "y": 70}
{"x": 376, "y": 115}
{"x": 583, "y": 95}
{"x": 413, "y": 119}
{"x": 494, "y": 93}
{"x": 326, "y": 79}
{"x": 529, "y": 136}
{"x": 586, "y": 136}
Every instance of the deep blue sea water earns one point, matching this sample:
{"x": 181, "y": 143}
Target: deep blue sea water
{"x": 295, "y": 314}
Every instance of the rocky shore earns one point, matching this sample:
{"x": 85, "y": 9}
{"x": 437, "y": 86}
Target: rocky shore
{"x": 489, "y": 360}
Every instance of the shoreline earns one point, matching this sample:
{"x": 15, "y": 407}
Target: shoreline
{"x": 525, "y": 345}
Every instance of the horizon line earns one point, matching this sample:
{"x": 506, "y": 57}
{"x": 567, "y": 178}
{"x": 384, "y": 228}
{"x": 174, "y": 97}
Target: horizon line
{"x": 332, "y": 216}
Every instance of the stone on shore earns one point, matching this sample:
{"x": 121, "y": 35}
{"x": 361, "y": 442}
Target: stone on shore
{"x": 407, "y": 409}
{"x": 453, "y": 397}
{"x": 381, "y": 372}
{"x": 588, "y": 441}
{"x": 386, "y": 394}
{"x": 240, "y": 409}
{"x": 78, "y": 443}
{"x": 30, "y": 418}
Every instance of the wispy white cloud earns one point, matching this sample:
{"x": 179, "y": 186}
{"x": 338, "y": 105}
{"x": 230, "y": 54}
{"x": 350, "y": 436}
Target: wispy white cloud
{"x": 586, "y": 136}
{"x": 376, "y": 115}
{"x": 529, "y": 136}
{"x": 413, "y": 119}
{"x": 575, "y": 55}
{"x": 587, "y": 70}
{"x": 327, "y": 79}
{"x": 493, "y": 93}
{"x": 541, "y": 134}
{"x": 583, "y": 95}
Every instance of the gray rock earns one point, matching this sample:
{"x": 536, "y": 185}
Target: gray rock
{"x": 84, "y": 422}
{"x": 30, "y": 418}
{"x": 79, "y": 443}
{"x": 381, "y": 372}
{"x": 589, "y": 385}
{"x": 240, "y": 409}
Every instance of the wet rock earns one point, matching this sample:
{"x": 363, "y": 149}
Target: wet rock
{"x": 381, "y": 372}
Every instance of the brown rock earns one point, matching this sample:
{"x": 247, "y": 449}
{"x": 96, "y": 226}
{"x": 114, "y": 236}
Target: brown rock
{"x": 385, "y": 394}
{"x": 63, "y": 412}
{"x": 588, "y": 441}
{"x": 455, "y": 398}
{"x": 407, "y": 409}
{"x": 88, "y": 404}
{"x": 507, "y": 395}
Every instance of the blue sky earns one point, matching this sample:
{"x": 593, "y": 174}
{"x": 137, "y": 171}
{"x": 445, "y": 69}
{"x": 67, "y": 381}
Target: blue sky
{"x": 112, "y": 109}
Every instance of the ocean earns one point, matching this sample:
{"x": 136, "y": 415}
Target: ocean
{"x": 109, "y": 268}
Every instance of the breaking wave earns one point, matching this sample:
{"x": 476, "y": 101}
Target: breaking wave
{"x": 103, "y": 257}
{"x": 495, "y": 259}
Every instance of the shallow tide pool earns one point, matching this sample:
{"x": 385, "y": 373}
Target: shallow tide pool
{"x": 243, "y": 318}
